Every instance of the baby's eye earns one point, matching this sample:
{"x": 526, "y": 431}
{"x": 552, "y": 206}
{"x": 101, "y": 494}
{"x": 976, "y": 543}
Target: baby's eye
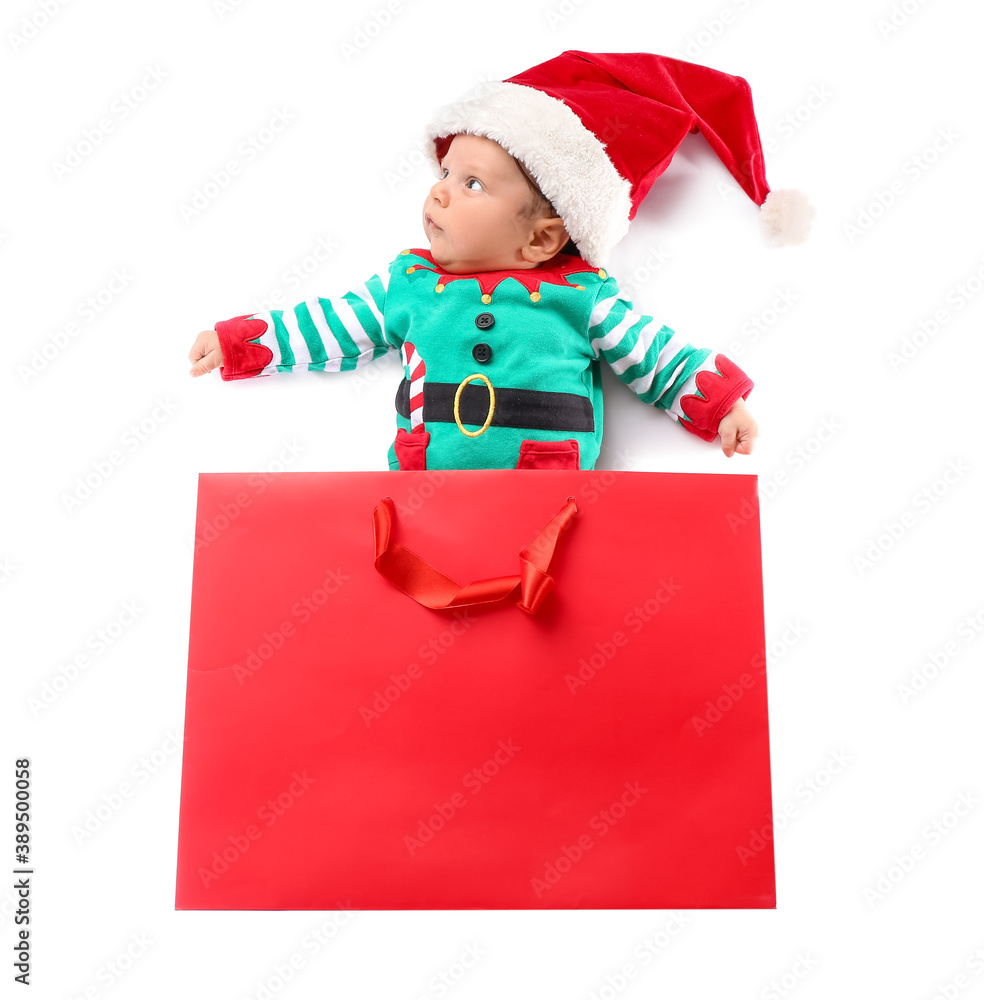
{"x": 468, "y": 183}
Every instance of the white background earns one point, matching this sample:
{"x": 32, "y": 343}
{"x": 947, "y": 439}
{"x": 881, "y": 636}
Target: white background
{"x": 848, "y": 109}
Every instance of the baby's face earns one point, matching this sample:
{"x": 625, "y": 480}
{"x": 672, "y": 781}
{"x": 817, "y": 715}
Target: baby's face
{"x": 473, "y": 215}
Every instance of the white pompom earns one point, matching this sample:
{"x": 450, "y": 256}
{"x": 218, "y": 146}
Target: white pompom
{"x": 786, "y": 216}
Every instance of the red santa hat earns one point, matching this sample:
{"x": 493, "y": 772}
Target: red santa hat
{"x": 595, "y": 130}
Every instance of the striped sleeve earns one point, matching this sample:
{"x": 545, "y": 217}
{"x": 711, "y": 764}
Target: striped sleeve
{"x": 317, "y": 335}
{"x": 694, "y": 385}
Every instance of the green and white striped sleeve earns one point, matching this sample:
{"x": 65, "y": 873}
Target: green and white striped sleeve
{"x": 694, "y": 385}
{"x": 319, "y": 334}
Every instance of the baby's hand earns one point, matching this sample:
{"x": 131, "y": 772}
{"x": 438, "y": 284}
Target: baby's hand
{"x": 206, "y": 351}
{"x": 738, "y": 430}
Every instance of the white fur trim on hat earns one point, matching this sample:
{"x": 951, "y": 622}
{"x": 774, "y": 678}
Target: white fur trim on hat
{"x": 566, "y": 159}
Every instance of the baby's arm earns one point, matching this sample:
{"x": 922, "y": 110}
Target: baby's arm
{"x": 319, "y": 334}
{"x": 698, "y": 388}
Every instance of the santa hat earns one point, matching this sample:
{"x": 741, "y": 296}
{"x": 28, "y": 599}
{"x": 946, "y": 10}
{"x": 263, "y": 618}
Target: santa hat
{"x": 595, "y": 129}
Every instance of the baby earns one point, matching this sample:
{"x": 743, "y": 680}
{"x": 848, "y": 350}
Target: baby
{"x": 502, "y": 323}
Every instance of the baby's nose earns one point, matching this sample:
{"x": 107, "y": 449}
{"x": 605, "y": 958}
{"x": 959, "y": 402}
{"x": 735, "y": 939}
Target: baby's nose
{"x": 439, "y": 192}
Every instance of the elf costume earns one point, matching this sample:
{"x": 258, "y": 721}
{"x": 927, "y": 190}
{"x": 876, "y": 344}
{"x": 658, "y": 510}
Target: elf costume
{"x": 502, "y": 367}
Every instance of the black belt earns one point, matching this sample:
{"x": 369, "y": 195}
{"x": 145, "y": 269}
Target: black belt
{"x": 529, "y": 409}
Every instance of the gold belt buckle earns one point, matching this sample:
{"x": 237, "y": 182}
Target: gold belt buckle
{"x": 457, "y": 399}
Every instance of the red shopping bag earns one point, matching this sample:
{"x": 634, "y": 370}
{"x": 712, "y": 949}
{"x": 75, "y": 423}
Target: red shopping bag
{"x": 348, "y": 747}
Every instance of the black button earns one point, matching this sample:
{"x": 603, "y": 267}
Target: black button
{"x": 482, "y": 353}
{"x": 484, "y": 321}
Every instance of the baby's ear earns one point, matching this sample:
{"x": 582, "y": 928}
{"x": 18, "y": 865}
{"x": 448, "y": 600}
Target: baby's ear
{"x": 548, "y": 239}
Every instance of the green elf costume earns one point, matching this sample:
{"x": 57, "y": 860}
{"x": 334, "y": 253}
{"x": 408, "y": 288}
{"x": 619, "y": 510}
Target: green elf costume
{"x": 502, "y": 368}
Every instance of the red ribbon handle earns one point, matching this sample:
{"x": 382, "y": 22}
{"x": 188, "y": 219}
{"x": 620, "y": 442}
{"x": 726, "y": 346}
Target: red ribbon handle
{"x": 428, "y": 586}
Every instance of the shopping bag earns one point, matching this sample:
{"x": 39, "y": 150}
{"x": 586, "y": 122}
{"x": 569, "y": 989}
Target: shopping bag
{"x": 347, "y": 746}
